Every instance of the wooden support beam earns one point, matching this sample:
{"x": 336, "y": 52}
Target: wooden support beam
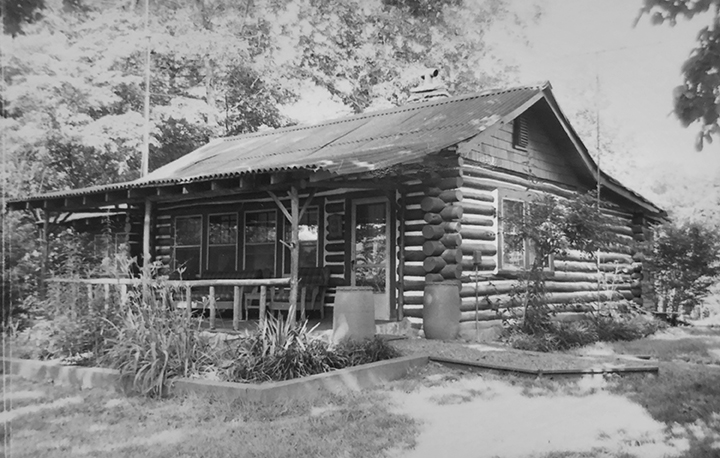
{"x": 280, "y": 205}
{"x": 237, "y": 309}
{"x": 146, "y": 238}
{"x": 294, "y": 250}
{"x": 213, "y": 307}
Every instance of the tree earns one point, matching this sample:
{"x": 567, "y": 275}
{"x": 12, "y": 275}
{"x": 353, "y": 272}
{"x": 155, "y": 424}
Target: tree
{"x": 697, "y": 100}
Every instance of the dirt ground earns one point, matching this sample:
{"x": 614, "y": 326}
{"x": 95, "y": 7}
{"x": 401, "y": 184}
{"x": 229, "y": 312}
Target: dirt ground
{"x": 485, "y": 415}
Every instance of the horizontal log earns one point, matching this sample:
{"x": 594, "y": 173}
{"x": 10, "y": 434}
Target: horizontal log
{"x": 476, "y": 207}
{"x": 414, "y": 240}
{"x": 451, "y": 240}
{"x": 575, "y": 255}
{"x": 335, "y": 282}
{"x": 413, "y": 200}
{"x": 414, "y": 269}
{"x": 484, "y": 288}
{"x": 452, "y": 272}
{"x": 414, "y": 255}
{"x": 433, "y": 218}
{"x": 335, "y": 207}
{"x": 477, "y": 194}
{"x": 437, "y": 231}
{"x": 413, "y": 285}
{"x": 433, "y": 248}
{"x": 451, "y": 213}
{"x": 453, "y": 256}
{"x": 476, "y": 233}
{"x": 576, "y": 266}
{"x": 413, "y": 312}
{"x": 414, "y": 300}
{"x": 335, "y": 246}
{"x": 336, "y": 268}
{"x": 469, "y": 247}
{"x": 434, "y": 264}
{"x": 414, "y": 214}
{"x": 433, "y": 278}
{"x": 335, "y": 257}
{"x": 488, "y": 263}
{"x": 594, "y": 276}
{"x": 447, "y": 182}
{"x": 432, "y": 204}
{"x": 477, "y": 220}
{"x": 451, "y": 196}
{"x": 624, "y": 230}
{"x": 509, "y": 300}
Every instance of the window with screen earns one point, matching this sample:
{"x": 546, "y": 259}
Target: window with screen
{"x": 260, "y": 236}
{"x": 187, "y": 249}
{"x": 515, "y": 253}
{"x": 309, "y": 230}
{"x": 222, "y": 242}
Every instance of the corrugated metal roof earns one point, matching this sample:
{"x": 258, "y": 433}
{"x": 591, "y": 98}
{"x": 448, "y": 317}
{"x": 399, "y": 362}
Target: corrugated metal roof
{"x": 355, "y": 144}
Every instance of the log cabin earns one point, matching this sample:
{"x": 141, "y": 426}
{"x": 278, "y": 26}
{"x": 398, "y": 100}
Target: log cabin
{"x": 393, "y": 199}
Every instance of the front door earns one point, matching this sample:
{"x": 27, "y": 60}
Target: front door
{"x": 370, "y": 257}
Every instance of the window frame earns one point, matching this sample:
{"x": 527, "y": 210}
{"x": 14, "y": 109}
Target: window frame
{"x": 198, "y": 246}
{"x": 274, "y": 242}
{"x": 208, "y": 244}
{"x": 526, "y": 197}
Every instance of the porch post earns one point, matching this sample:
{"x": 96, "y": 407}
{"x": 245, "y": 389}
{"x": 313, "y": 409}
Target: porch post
{"x": 294, "y": 250}
{"x": 46, "y": 254}
{"x": 146, "y": 248}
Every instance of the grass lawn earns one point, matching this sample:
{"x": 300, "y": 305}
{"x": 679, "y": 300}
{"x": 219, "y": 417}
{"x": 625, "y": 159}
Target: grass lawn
{"x": 52, "y": 421}
{"x": 435, "y": 409}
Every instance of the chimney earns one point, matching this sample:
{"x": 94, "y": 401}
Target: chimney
{"x": 430, "y": 88}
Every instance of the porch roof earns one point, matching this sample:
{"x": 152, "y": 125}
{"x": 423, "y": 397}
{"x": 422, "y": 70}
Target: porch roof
{"x": 346, "y": 146}
{"x": 355, "y": 145}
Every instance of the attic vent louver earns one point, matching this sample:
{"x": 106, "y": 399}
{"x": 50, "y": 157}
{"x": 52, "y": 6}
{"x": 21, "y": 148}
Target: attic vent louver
{"x": 429, "y": 88}
{"x": 520, "y": 133}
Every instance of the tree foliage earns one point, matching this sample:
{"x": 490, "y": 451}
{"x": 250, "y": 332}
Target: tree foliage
{"x": 684, "y": 263}
{"x": 73, "y": 86}
{"x": 697, "y": 100}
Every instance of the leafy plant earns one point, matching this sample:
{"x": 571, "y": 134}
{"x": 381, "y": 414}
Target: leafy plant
{"x": 155, "y": 342}
{"x": 553, "y": 226}
{"x": 683, "y": 264}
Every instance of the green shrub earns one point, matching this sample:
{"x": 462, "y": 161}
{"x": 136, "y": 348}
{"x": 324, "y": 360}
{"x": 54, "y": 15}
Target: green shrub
{"x": 155, "y": 342}
{"x": 282, "y": 350}
{"x": 683, "y": 264}
{"x": 564, "y": 335}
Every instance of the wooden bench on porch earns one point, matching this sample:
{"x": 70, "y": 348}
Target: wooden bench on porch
{"x": 312, "y": 285}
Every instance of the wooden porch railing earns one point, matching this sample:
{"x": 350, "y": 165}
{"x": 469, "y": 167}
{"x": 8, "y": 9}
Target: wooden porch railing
{"x": 188, "y": 285}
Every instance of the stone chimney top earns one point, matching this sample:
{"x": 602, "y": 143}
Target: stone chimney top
{"x": 430, "y": 87}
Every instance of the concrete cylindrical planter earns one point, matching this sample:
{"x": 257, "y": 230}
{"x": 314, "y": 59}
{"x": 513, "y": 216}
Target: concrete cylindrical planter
{"x": 353, "y": 313}
{"x": 441, "y": 310}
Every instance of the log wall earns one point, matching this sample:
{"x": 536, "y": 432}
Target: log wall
{"x": 451, "y": 216}
{"x": 335, "y": 246}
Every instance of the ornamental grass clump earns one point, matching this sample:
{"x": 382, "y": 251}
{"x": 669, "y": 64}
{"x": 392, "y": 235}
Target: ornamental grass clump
{"x": 155, "y": 342}
{"x": 283, "y": 349}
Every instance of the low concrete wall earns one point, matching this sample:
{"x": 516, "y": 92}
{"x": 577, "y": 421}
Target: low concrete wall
{"x": 54, "y": 372}
{"x": 352, "y": 378}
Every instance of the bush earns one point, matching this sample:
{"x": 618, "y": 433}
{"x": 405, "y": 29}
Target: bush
{"x": 282, "y": 350}
{"x": 154, "y": 342}
{"x": 564, "y": 335}
{"x": 684, "y": 262}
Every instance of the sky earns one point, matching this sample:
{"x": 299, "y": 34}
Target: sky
{"x": 583, "y": 45}
{"x": 594, "y": 56}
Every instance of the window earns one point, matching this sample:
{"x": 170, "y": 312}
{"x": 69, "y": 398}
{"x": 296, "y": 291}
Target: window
{"x": 309, "y": 234}
{"x": 260, "y": 238}
{"x": 515, "y": 253}
{"x": 188, "y": 239}
{"x": 222, "y": 242}
{"x": 520, "y": 133}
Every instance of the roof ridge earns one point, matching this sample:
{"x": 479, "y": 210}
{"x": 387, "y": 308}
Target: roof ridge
{"x": 399, "y": 109}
